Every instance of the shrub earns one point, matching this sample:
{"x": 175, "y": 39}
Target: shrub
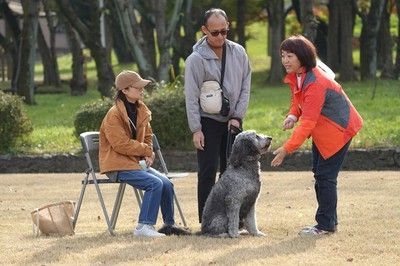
{"x": 169, "y": 121}
{"x": 15, "y": 125}
{"x": 90, "y": 115}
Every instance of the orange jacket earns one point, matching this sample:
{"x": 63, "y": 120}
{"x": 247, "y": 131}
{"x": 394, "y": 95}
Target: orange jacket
{"x": 117, "y": 150}
{"x": 324, "y": 111}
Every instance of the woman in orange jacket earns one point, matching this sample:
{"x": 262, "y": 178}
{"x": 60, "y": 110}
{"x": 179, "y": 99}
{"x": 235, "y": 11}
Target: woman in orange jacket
{"x": 325, "y": 114}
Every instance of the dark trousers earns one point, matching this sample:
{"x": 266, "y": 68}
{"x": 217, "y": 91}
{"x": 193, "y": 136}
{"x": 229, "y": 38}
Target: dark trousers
{"x": 325, "y": 175}
{"x": 213, "y": 155}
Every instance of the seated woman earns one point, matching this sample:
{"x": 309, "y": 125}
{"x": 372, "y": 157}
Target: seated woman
{"x": 126, "y": 153}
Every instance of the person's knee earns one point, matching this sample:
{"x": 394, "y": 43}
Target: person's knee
{"x": 156, "y": 184}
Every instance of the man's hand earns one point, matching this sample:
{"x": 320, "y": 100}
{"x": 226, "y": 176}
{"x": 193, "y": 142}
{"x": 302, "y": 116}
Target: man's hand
{"x": 234, "y": 122}
{"x": 198, "y": 140}
{"x": 280, "y": 154}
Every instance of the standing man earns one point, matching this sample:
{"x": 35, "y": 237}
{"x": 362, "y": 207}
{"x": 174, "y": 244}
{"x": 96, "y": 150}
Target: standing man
{"x": 210, "y": 130}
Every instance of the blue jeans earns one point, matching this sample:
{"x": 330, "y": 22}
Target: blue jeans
{"x": 325, "y": 175}
{"x": 159, "y": 192}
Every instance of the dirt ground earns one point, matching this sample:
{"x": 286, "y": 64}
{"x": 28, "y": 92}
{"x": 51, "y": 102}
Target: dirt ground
{"x": 368, "y": 232}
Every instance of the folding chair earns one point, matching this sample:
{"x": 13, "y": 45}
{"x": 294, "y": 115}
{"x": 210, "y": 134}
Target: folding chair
{"x": 90, "y": 145}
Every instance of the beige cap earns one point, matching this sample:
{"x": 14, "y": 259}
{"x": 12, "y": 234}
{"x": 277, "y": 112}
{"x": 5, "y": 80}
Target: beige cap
{"x": 130, "y": 78}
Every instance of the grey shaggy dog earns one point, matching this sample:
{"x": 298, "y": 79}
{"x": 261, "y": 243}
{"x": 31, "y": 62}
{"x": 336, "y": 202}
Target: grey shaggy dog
{"x": 233, "y": 197}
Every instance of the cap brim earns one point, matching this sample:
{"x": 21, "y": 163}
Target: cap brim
{"x": 141, "y": 83}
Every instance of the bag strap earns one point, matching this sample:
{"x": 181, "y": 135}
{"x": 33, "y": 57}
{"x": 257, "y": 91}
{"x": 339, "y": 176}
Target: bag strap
{"x": 223, "y": 65}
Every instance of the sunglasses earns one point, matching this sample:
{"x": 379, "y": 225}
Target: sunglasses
{"x": 217, "y": 32}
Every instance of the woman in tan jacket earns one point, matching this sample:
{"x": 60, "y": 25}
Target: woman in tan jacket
{"x": 126, "y": 154}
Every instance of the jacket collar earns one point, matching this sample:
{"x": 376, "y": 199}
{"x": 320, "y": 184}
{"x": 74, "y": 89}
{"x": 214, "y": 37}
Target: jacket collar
{"x": 143, "y": 113}
{"x": 306, "y": 79}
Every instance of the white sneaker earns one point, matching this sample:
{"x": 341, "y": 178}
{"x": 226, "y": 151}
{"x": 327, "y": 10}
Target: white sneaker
{"x": 147, "y": 230}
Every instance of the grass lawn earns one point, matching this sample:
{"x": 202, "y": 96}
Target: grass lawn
{"x": 53, "y": 115}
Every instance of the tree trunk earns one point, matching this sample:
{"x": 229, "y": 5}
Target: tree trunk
{"x": 54, "y": 73}
{"x": 397, "y": 63}
{"x": 308, "y": 20}
{"x": 50, "y": 67}
{"x": 275, "y": 35}
{"x": 368, "y": 40}
{"x": 78, "y": 82}
{"x": 91, "y": 36}
{"x": 13, "y": 26}
{"x": 385, "y": 45}
{"x": 241, "y": 22}
{"x": 333, "y": 58}
{"x": 165, "y": 32}
{"x": 133, "y": 36}
{"x": 345, "y": 41}
{"x": 27, "y": 52}
{"x": 121, "y": 50}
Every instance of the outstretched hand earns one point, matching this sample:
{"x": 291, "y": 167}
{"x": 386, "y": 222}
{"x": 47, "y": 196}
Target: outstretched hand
{"x": 280, "y": 154}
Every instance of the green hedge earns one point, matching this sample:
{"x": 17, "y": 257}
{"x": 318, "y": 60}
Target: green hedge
{"x": 90, "y": 115}
{"x": 169, "y": 121}
{"x": 15, "y": 125}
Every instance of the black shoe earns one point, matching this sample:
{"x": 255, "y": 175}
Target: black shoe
{"x": 174, "y": 230}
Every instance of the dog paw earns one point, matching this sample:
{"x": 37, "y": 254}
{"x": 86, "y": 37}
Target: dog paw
{"x": 259, "y": 233}
{"x": 233, "y": 235}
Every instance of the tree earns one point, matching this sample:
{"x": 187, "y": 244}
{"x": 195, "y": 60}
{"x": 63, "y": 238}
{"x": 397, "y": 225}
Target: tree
{"x": 51, "y": 74}
{"x": 276, "y": 29}
{"x": 371, "y": 20}
{"x": 118, "y": 43}
{"x": 241, "y": 22}
{"x": 11, "y": 44}
{"x": 78, "y": 82}
{"x": 27, "y": 51}
{"x": 397, "y": 63}
{"x": 141, "y": 41}
{"x": 340, "y": 37}
{"x": 88, "y": 29}
{"x": 308, "y": 20}
{"x": 385, "y": 44}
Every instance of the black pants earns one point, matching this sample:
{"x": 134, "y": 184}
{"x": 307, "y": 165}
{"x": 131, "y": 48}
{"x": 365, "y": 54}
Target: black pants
{"x": 325, "y": 175}
{"x": 213, "y": 155}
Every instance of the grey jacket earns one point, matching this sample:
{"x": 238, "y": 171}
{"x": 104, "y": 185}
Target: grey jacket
{"x": 203, "y": 65}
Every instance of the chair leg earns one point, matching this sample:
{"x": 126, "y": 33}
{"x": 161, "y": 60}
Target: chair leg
{"x": 180, "y": 211}
{"x": 117, "y": 205}
{"x": 103, "y": 206}
{"x": 79, "y": 203}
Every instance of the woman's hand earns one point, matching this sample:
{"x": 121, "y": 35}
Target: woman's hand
{"x": 150, "y": 159}
{"x": 280, "y": 154}
{"x": 288, "y": 123}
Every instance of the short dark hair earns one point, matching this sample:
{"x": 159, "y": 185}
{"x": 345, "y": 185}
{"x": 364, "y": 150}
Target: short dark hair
{"x": 303, "y": 48}
{"x": 214, "y": 11}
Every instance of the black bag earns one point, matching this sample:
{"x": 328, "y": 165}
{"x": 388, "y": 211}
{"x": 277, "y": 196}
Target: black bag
{"x": 225, "y": 107}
